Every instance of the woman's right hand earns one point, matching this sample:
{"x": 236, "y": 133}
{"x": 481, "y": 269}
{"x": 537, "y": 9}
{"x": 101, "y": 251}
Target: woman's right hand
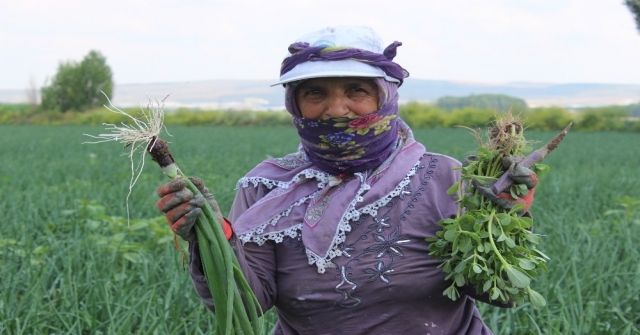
{"x": 180, "y": 207}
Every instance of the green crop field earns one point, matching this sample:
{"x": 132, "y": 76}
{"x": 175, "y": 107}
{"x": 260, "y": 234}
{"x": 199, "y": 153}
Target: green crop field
{"x": 71, "y": 263}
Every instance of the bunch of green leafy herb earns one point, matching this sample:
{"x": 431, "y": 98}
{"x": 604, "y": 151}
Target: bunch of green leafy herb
{"x": 488, "y": 247}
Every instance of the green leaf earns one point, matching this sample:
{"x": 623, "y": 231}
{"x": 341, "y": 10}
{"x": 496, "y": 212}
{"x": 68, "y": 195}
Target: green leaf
{"x": 509, "y": 241}
{"x": 526, "y": 264}
{"x": 477, "y": 227}
{"x": 487, "y": 285}
{"x": 480, "y": 181}
{"x": 541, "y": 169}
{"x": 505, "y": 219}
{"x": 525, "y": 222}
{"x": 513, "y": 290}
{"x": 447, "y": 267}
{"x": 517, "y": 208}
{"x": 537, "y": 300}
{"x": 496, "y": 231}
{"x": 467, "y": 219}
{"x": 532, "y": 238}
{"x": 459, "y": 279}
{"x": 471, "y": 202}
{"x": 513, "y": 192}
{"x": 495, "y": 293}
{"x": 500, "y": 282}
{"x": 465, "y": 244}
{"x": 460, "y": 267}
{"x": 453, "y": 189}
{"x": 516, "y": 277}
{"x": 448, "y": 221}
{"x": 542, "y": 254}
{"x": 451, "y": 292}
{"x": 475, "y": 237}
{"x": 450, "y": 235}
{"x": 477, "y": 268}
{"x": 526, "y": 149}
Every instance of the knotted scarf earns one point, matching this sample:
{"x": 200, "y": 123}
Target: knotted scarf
{"x": 302, "y": 52}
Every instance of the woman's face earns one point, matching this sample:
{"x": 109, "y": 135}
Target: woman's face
{"x": 323, "y": 98}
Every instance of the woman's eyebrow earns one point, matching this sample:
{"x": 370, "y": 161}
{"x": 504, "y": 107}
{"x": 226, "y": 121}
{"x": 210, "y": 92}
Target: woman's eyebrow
{"x": 359, "y": 83}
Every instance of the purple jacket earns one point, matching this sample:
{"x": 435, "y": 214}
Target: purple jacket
{"x": 384, "y": 283}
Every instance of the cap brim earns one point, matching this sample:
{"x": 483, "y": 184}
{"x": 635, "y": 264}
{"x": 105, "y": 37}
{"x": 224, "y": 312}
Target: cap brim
{"x": 332, "y": 74}
{"x": 340, "y": 68}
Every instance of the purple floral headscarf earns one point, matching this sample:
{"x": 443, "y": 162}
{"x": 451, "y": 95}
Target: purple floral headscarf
{"x": 346, "y": 145}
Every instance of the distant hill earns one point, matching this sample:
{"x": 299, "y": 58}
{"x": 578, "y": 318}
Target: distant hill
{"x": 257, "y": 94}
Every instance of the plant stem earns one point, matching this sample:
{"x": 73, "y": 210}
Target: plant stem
{"x": 493, "y": 244}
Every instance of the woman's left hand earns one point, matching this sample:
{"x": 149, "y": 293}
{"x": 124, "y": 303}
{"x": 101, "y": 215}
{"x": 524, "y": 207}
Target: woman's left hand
{"x": 521, "y": 194}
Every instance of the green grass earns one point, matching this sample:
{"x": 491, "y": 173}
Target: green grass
{"x": 71, "y": 264}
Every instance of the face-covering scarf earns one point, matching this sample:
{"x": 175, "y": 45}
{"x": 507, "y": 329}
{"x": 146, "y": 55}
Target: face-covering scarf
{"x": 307, "y": 200}
{"x": 346, "y": 145}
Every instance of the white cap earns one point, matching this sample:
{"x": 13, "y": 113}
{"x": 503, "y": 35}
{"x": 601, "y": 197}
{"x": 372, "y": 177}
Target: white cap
{"x": 342, "y": 36}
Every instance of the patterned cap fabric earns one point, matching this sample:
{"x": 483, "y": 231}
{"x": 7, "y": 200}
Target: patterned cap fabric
{"x": 351, "y": 51}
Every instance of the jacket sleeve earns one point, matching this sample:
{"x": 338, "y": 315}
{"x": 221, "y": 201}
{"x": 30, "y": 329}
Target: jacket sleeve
{"x": 257, "y": 262}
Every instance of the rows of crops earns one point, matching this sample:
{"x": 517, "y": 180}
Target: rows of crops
{"x": 70, "y": 263}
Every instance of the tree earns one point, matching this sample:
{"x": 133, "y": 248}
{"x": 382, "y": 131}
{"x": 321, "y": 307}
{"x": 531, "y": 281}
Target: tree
{"x": 634, "y": 7}
{"x": 79, "y": 86}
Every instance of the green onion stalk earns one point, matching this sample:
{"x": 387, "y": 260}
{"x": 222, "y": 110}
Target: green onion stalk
{"x": 236, "y": 306}
{"x": 485, "y": 246}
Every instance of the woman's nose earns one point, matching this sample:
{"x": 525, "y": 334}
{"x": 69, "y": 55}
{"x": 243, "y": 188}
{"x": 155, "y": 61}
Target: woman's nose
{"x": 337, "y": 106}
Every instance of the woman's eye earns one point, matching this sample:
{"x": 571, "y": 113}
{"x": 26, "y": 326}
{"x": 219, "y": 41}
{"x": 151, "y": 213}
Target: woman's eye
{"x": 313, "y": 93}
{"x": 359, "y": 90}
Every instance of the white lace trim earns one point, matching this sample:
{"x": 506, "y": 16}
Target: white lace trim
{"x": 372, "y": 209}
{"x": 257, "y": 234}
{"x": 322, "y": 177}
{"x": 322, "y": 262}
{"x": 277, "y": 236}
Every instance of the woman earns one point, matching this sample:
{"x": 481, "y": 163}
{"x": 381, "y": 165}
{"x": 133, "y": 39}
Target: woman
{"x": 333, "y": 236}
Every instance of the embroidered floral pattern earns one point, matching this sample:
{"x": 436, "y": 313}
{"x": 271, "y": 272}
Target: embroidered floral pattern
{"x": 382, "y": 239}
{"x": 289, "y": 162}
{"x": 387, "y": 245}
{"x": 315, "y": 213}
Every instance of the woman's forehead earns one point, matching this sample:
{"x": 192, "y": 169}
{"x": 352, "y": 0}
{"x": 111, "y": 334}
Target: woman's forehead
{"x": 330, "y": 81}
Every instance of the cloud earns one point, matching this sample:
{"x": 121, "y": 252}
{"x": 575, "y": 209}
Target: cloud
{"x": 169, "y": 41}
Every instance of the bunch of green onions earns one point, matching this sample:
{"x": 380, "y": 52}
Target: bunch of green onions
{"x": 237, "y": 308}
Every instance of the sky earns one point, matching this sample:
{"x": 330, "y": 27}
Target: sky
{"x": 484, "y": 41}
